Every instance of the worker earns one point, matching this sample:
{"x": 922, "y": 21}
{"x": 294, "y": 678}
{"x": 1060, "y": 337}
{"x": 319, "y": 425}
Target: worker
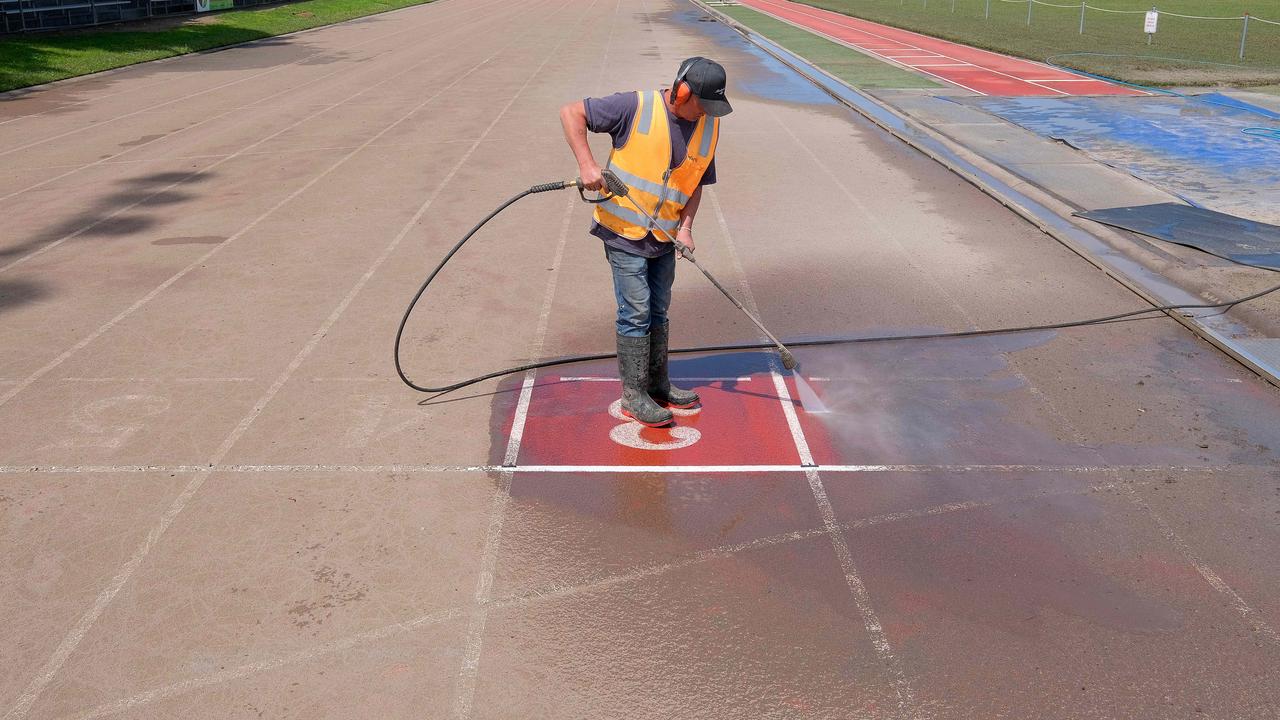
{"x": 664, "y": 144}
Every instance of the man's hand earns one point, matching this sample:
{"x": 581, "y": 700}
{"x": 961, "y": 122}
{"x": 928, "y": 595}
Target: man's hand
{"x": 685, "y": 237}
{"x": 592, "y": 178}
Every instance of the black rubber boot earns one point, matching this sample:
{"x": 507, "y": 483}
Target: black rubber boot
{"x": 633, "y": 368}
{"x": 660, "y": 387}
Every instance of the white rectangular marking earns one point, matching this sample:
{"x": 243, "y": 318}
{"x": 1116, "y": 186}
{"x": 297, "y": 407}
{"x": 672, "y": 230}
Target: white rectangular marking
{"x": 596, "y": 378}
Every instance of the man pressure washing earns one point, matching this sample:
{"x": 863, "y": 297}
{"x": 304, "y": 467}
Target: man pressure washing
{"x": 664, "y": 144}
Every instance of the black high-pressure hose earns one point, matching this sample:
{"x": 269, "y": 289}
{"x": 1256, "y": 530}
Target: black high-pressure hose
{"x": 616, "y": 188}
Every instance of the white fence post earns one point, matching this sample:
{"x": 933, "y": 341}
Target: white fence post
{"x": 1244, "y": 33}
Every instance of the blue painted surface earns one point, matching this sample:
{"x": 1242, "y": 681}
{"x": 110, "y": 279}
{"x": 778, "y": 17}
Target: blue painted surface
{"x": 1228, "y": 101}
{"x": 1193, "y": 147}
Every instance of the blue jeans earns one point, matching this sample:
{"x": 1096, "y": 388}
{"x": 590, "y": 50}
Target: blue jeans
{"x": 642, "y": 287}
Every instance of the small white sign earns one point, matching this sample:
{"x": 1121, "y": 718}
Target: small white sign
{"x": 202, "y": 5}
{"x": 1149, "y": 26}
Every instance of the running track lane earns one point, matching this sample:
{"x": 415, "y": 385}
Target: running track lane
{"x": 981, "y": 71}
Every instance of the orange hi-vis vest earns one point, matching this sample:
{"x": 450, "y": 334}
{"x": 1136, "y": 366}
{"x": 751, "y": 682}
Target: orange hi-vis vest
{"x": 644, "y": 164}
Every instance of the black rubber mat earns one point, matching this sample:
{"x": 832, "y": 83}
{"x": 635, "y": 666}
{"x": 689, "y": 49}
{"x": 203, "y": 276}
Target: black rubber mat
{"x": 1227, "y": 236}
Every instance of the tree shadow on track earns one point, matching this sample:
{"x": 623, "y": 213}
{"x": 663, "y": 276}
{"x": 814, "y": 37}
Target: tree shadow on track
{"x": 147, "y": 194}
{"x": 15, "y": 293}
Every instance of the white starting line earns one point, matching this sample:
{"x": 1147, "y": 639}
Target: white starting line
{"x": 614, "y": 469}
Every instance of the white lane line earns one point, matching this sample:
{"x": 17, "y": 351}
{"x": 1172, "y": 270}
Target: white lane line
{"x": 829, "y": 19}
{"x": 793, "y": 420}
{"x": 901, "y": 688}
{"x": 597, "y": 378}
{"x": 109, "y": 158}
{"x": 212, "y": 118}
{"x": 497, "y": 512}
{"x": 745, "y": 378}
{"x": 473, "y": 645}
{"x": 1214, "y": 580}
{"x": 853, "y": 45}
{"x": 6, "y": 96}
{"x": 257, "y": 668}
{"x": 400, "y": 468}
{"x": 72, "y": 640}
{"x": 529, "y": 597}
{"x": 239, "y": 153}
{"x": 984, "y": 67}
{"x": 274, "y": 151}
{"x": 110, "y": 75}
{"x": 870, "y": 619}
{"x": 154, "y": 380}
{"x": 926, "y": 65}
{"x": 99, "y": 124}
{"x": 198, "y": 262}
{"x": 1247, "y": 613}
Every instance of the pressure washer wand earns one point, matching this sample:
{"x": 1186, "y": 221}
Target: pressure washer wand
{"x": 788, "y": 361}
{"x": 620, "y": 189}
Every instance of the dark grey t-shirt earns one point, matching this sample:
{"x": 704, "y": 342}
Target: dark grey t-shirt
{"x": 614, "y": 114}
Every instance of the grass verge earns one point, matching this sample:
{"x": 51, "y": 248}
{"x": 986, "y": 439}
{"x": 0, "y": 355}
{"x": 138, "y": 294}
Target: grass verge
{"x": 27, "y": 60}
{"x": 851, "y": 66}
{"x": 1183, "y": 51}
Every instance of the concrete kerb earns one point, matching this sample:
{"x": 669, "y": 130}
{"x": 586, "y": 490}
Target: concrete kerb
{"x": 1099, "y": 246}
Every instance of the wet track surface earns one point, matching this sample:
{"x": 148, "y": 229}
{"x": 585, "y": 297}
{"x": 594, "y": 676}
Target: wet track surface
{"x": 217, "y": 501}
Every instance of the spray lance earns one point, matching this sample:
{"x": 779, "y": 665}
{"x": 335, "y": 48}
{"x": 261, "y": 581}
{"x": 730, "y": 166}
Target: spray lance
{"x": 616, "y": 188}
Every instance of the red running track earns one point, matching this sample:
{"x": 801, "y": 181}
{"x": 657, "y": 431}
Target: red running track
{"x": 981, "y": 71}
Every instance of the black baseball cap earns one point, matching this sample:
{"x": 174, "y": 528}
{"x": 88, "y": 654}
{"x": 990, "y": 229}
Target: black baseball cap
{"x": 706, "y": 79}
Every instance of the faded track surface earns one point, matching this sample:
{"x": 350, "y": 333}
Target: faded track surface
{"x": 217, "y": 501}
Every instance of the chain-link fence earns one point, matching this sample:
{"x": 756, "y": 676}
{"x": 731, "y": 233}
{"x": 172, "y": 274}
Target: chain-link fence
{"x": 1185, "y": 47}
{"x": 34, "y": 15}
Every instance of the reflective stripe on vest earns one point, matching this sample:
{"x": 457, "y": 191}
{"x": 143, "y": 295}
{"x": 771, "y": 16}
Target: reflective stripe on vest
{"x": 654, "y": 189}
{"x": 643, "y": 163}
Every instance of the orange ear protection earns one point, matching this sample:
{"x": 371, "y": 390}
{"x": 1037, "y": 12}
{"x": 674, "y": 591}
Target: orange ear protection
{"x": 680, "y": 90}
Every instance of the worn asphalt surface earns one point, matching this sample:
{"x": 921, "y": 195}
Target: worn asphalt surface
{"x": 217, "y": 501}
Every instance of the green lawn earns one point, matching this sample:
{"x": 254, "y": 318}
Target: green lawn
{"x": 33, "y": 59}
{"x": 1182, "y": 52}
{"x": 851, "y": 66}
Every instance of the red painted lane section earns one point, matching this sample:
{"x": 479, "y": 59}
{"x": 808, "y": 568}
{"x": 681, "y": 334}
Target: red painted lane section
{"x": 574, "y": 420}
{"x": 741, "y": 422}
{"x": 981, "y": 71}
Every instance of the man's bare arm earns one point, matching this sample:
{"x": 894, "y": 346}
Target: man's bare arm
{"x": 573, "y": 118}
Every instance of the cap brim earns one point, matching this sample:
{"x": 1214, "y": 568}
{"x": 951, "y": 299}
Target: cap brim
{"x": 715, "y": 107}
